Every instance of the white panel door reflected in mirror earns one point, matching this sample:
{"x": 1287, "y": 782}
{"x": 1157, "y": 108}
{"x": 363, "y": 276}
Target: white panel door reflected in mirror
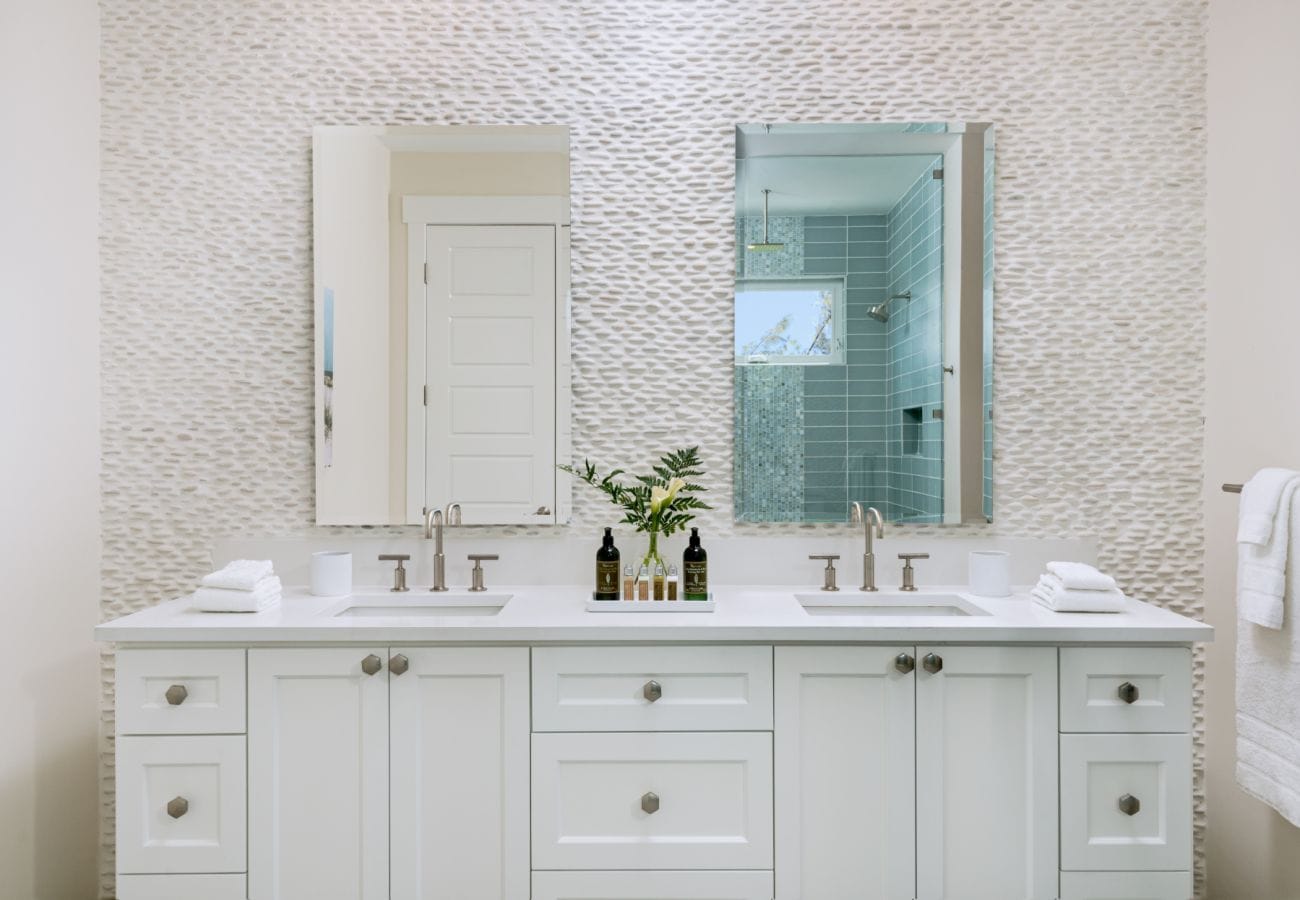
{"x": 863, "y": 322}
{"x": 442, "y": 338}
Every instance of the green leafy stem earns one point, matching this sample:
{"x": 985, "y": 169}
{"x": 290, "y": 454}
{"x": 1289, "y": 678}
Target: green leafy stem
{"x": 659, "y": 503}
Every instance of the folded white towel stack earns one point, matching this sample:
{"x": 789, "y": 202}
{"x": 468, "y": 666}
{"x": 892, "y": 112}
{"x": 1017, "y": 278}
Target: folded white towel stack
{"x": 239, "y": 575}
{"x": 245, "y": 585}
{"x": 1077, "y": 576}
{"x": 1077, "y": 587}
{"x": 1263, "y": 543}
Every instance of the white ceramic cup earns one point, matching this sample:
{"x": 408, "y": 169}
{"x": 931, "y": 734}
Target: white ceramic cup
{"x": 990, "y": 573}
{"x": 331, "y": 573}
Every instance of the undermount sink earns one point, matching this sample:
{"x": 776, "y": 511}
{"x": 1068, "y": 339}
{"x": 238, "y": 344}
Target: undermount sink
{"x": 425, "y": 603}
{"x": 858, "y": 603}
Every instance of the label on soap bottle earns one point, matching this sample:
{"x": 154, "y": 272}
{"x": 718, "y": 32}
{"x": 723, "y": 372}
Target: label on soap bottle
{"x": 607, "y": 575}
{"x": 695, "y": 580}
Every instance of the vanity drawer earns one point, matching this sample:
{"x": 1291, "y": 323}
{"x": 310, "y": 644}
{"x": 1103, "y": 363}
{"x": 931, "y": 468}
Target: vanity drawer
{"x": 652, "y": 801}
{"x": 180, "y": 692}
{"x": 652, "y": 885}
{"x": 189, "y": 887}
{"x": 181, "y": 804}
{"x": 1114, "y": 689}
{"x": 1126, "y": 802}
{"x": 652, "y": 689}
{"x": 1126, "y": 885}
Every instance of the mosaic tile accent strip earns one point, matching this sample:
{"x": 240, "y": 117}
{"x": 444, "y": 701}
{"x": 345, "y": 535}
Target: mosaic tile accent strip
{"x": 769, "y": 469}
{"x": 207, "y": 111}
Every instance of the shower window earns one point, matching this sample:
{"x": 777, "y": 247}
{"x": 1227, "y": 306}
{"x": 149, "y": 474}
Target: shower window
{"x": 793, "y": 322}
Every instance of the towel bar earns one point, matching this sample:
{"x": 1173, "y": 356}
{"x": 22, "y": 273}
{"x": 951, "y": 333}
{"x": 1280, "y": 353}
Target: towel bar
{"x": 1232, "y": 489}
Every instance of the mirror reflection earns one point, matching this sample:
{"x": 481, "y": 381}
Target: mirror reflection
{"x": 863, "y": 320}
{"x": 442, "y": 354}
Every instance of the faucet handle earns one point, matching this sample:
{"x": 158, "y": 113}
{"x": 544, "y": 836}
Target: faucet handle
{"x": 399, "y": 574}
{"x": 476, "y": 574}
{"x": 828, "y": 576}
{"x": 909, "y": 574}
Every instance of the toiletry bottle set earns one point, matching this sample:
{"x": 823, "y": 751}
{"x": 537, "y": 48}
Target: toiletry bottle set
{"x": 661, "y": 584}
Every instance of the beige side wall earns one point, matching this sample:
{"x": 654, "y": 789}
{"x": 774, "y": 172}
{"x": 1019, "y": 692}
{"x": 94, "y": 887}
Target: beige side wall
{"x": 49, "y": 449}
{"x": 1253, "y": 384}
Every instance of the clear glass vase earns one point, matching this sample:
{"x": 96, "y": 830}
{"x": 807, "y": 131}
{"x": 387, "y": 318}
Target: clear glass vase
{"x": 652, "y": 570}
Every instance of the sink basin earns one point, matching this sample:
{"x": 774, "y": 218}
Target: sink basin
{"x": 858, "y": 603}
{"x": 425, "y": 603}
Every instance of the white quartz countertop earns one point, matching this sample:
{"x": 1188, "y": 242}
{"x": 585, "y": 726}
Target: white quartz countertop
{"x": 557, "y": 614}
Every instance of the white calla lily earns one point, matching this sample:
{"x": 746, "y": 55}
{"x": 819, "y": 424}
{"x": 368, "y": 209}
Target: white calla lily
{"x": 658, "y": 497}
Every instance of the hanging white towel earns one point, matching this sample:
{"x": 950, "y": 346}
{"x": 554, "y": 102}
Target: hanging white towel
{"x": 264, "y": 595}
{"x": 1268, "y": 716}
{"x": 1077, "y": 576}
{"x": 239, "y": 575}
{"x": 1264, "y": 539}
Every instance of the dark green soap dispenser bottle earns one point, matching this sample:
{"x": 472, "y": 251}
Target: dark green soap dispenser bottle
{"x": 607, "y": 571}
{"x": 695, "y": 570}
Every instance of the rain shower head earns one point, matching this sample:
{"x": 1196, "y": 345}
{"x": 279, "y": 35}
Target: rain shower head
{"x": 765, "y": 245}
{"x": 880, "y": 312}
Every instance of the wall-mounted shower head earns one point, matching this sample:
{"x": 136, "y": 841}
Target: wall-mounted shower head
{"x": 880, "y": 312}
{"x": 765, "y": 246}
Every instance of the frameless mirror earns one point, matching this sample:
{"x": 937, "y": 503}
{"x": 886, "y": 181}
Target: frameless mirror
{"x": 863, "y": 322}
{"x": 442, "y": 336}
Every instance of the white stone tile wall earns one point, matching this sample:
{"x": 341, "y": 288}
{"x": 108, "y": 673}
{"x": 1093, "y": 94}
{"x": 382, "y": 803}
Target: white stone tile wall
{"x": 206, "y": 254}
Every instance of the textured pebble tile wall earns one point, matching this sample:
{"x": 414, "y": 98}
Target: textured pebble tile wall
{"x": 207, "y": 111}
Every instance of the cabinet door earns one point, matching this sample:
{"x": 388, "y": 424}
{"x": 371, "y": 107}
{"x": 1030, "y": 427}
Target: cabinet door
{"x": 845, "y": 773}
{"x": 459, "y": 773}
{"x": 318, "y": 774}
{"x": 986, "y": 773}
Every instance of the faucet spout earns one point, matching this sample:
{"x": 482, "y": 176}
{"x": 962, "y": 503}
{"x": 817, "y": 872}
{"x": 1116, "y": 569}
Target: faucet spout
{"x": 434, "y": 520}
{"x": 871, "y": 516}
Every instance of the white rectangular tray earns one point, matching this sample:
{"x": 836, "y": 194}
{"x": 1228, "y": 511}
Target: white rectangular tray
{"x": 652, "y": 606}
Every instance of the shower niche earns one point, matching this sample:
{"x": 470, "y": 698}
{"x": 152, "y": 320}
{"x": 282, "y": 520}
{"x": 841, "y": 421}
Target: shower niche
{"x": 863, "y": 320}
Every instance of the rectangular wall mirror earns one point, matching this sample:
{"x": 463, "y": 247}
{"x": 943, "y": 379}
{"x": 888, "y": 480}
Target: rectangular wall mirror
{"x": 863, "y": 311}
{"x": 442, "y": 331}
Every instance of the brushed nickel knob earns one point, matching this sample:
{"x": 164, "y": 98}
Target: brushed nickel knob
{"x": 371, "y": 664}
{"x": 650, "y": 802}
{"x": 177, "y": 807}
{"x": 932, "y": 663}
{"x": 1129, "y": 805}
{"x": 398, "y": 664}
{"x": 652, "y": 691}
{"x": 1128, "y": 692}
{"x": 176, "y": 694}
{"x": 904, "y": 663}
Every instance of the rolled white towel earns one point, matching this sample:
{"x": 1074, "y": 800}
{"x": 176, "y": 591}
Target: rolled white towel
{"x": 264, "y": 595}
{"x": 1050, "y": 592}
{"x": 1077, "y": 576}
{"x": 238, "y": 575}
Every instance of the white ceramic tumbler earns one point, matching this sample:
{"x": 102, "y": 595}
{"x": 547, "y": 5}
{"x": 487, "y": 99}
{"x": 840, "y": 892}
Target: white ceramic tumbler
{"x": 990, "y": 573}
{"x": 331, "y": 573}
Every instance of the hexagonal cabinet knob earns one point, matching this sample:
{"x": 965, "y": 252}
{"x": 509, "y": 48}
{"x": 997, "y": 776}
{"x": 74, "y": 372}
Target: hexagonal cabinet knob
{"x": 1129, "y": 805}
{"x": 398, "y": 664}
{"x": 176, "y": 694}
{"x": 652, "y": 691}
{"x": 904, "y": 663}
{"x": 371, "y": 664}
{"x": 650, "y": 802}
{"x": 1128, "y": 692}
{"x": 177, "y": 807}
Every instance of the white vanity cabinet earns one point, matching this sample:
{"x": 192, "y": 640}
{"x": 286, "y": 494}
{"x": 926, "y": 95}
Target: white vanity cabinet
{"x": 371, "y": 762}
{"x": 924, "y": 772}
{"x": 655, "y": 771}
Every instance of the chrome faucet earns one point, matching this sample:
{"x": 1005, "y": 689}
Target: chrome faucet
{"x": 433, "y": 523}
{"x": 868, "y": 555}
